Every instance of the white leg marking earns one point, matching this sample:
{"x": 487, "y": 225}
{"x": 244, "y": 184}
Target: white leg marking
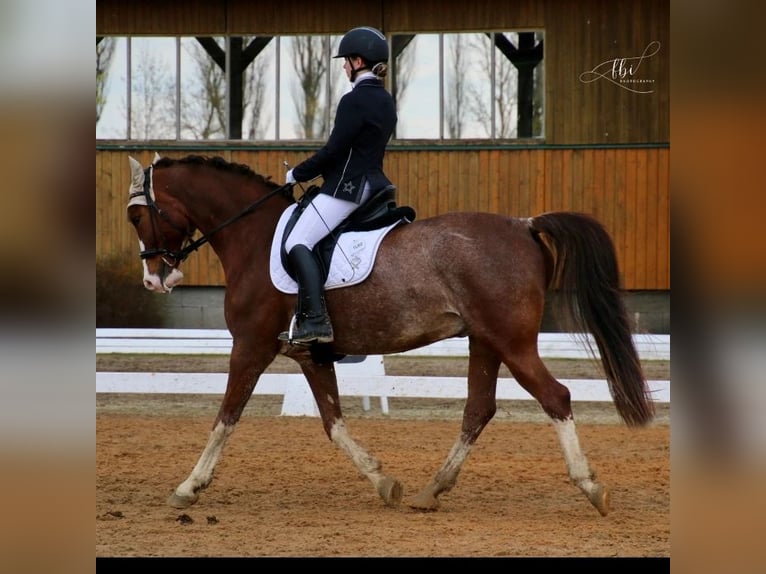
{"x": 455, "y": 459}
{"x": 577, "y": 464}
{"x": 202, "y": 474}
{"x": 367, "y": 464}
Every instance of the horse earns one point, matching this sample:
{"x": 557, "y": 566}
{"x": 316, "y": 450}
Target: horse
{"x": 478, "y": 275}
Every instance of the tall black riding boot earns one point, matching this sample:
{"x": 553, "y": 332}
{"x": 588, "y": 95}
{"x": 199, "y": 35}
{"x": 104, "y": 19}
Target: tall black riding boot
{"x": 312, "y": 321}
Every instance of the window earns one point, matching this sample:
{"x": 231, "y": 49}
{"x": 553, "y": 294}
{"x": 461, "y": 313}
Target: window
{"x": 457, "y": 86}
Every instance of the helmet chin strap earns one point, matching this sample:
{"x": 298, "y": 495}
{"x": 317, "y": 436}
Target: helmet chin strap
{"x": 355, "y": 71}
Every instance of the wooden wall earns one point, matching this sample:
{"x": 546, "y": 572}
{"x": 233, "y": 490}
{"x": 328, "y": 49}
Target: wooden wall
{"x": 605, "y": 151}
{"x": 626, "y": 188}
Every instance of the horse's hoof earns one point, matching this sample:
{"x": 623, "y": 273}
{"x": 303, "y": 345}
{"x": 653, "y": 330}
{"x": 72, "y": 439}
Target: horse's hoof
{"x": 177, "y": 501}
{"x": 599, "y": 497}
{"x": 423, "y": 501}
{"x": 391, "y": 491}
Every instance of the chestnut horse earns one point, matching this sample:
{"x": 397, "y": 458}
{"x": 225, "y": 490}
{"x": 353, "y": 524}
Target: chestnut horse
{"x": 477, "y": 275}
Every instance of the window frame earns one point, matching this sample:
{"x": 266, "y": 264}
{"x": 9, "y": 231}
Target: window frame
{"x": 330, "y": 93}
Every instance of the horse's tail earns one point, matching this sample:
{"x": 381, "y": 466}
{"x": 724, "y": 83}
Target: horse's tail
{"x": 585, "y": 271}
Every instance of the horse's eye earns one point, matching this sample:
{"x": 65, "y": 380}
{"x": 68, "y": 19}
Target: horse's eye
{"x": 135, "y": 219}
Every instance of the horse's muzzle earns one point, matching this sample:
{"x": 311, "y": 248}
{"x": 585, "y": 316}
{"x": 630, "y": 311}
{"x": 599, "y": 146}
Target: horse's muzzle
{"x": 164, "y": 281}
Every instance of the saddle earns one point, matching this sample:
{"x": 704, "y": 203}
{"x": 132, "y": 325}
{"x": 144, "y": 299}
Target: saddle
{"x": 376, "y": 213}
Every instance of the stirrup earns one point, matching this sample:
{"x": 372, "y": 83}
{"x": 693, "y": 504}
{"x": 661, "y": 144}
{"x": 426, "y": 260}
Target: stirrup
{"x": 288, "y": 335}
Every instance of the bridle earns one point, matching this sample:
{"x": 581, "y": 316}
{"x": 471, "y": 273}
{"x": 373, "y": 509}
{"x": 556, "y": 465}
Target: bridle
{"x": 189, "y": 246}
{"x": 171, "y": 258}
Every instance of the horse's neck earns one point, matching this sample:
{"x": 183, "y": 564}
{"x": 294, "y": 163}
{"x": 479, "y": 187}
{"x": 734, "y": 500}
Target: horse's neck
{"x": 234, "y": 236}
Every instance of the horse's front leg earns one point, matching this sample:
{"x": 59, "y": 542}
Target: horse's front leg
{"x": 245, "y": 366}
{"x": 480, "y": 406}
{"x": 324, "y": 386}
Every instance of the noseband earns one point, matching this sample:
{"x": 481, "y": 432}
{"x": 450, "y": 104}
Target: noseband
{"x": 179, "y": 256}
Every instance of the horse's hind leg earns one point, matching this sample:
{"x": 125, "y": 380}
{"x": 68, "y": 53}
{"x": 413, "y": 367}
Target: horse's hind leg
{"x": 324, "y": 386}
{"x": 480, "y": 407}
{"x": 532, "y": 374}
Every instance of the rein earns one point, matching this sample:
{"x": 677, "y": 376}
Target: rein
{"x": 179, "y": 256}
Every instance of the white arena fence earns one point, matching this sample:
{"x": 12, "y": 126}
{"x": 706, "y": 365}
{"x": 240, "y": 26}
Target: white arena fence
{"x": 357, "y": 376}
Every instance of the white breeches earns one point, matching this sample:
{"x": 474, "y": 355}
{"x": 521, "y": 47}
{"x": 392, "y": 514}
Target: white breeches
{"x": 320, "y": 217}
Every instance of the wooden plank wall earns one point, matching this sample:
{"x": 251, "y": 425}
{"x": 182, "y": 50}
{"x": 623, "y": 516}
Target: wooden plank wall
{"x": 581, "y": 36}
{"x": 626, "y": 188}
{"x": 146, "y": 17}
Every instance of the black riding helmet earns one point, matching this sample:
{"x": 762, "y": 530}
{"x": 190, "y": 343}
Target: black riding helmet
{"x": 369, "y": 43}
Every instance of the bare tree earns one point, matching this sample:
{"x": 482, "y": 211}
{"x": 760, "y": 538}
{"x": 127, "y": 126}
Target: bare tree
{"x": 104, "y": 54}
{"x": 204, "y": 111}
{"x": 504, "y": 96}
{"x": 255, "y": 99}
{"x": 152, "y": 111}
{"x": 456, "y": 85}
{"x": 310, "y": 64}
{"x": 405, "y": 64}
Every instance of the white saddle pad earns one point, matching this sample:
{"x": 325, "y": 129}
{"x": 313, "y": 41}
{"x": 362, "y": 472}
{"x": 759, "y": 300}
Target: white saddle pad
{"x": 351, "y": 261}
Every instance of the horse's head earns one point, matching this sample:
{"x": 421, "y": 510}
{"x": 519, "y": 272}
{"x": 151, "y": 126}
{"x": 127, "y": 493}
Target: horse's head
{"x": 162, "y": 229}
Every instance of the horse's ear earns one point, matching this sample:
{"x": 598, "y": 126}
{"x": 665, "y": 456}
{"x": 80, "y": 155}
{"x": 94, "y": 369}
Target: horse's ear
{"x": 137, "y": 176}
{"x": 156, "y": 158}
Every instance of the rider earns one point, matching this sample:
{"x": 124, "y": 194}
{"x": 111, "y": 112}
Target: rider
{"x": 351, "y": 165}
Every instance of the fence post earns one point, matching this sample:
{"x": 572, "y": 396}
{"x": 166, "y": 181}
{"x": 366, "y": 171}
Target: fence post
{"x": 299, "y": 402}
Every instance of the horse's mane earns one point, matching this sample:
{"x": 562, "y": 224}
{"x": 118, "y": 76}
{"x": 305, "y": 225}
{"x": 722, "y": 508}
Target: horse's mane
{"x": 216, "y": 162}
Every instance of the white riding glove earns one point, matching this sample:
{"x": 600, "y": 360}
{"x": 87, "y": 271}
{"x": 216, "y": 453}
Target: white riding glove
{"x": 289, "y": 178}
